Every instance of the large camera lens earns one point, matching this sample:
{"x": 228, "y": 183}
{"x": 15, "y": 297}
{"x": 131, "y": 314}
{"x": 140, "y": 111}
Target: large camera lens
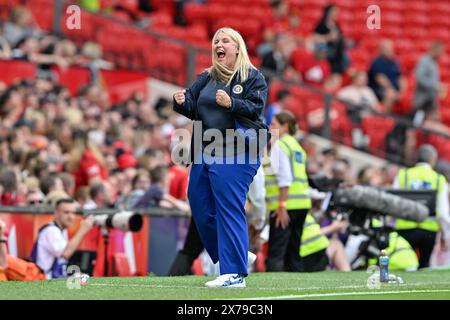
{"x": 125, "y": 221}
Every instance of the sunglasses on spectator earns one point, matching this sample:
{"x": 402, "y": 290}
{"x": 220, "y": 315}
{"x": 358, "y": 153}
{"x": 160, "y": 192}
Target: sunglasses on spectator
{"x": 36, "y": 202}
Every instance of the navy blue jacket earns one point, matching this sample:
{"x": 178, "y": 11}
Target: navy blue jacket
{"x": 246, "y": 107}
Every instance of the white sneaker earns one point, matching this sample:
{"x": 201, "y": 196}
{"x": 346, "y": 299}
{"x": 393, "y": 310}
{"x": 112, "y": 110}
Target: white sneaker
{"x": 227, "y": 281}
{"x": 251, "y": 259}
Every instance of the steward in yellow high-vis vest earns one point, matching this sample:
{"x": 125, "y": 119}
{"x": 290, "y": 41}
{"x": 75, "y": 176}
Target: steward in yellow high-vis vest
{"x": 313, "y": 249}
{"x": 422, "y": 235}
{"x": 287, "y": 195}
{"x": 421, "y": 176}
{"x": 312, "y": 239}
{"x": 401, "y": 256}
{"x": 298, "y": 192}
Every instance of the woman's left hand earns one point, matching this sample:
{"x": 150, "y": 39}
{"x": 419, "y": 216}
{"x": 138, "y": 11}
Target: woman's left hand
{"x": 223, "y": 99}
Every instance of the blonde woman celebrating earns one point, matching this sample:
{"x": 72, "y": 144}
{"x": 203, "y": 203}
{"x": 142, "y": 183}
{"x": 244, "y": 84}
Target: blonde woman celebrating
{"x": 230, "y": 95}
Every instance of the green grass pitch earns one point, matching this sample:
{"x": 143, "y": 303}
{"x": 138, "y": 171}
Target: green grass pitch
{"x": 323, "y": 285}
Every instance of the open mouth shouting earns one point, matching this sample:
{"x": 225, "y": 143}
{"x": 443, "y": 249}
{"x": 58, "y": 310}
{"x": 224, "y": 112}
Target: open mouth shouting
{"x": 220, "y": 54}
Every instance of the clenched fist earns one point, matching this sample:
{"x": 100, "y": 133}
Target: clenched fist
{"x": 179, "y": 96}
{"x": 223, "y": 99}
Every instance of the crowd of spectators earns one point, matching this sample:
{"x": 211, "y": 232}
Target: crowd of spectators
{"x": 320, "y": 58}
{"x": 319, "y": 55}
{"x": 22, "y": 39}
{"x": 54, "y": 143}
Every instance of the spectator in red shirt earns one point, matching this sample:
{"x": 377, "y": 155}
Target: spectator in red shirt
{"x": 86, "y": 162}
{"x": 313, "y": 67}
{"x": 272, "y": 25}
{"x": 178, "y": 182}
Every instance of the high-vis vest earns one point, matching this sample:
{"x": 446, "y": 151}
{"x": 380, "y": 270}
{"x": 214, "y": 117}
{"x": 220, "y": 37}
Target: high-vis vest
{"x": 418, "y": 178}
{"x": 298, "y": 193}
{"x": 312, "y": 240}
{"x": 401, "y": 256}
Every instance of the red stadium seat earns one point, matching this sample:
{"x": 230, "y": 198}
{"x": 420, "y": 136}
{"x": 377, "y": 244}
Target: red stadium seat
{"x": 73, "y": 78}
{"x": 164, "y": 5}
{"x": 296, "y": 107}
{"x": 194, "y": 12}
{"x": 441, "y": 143}
{"x": 247, "y": 28}
{"x": 392, "y": 19}
{"x": 416, "y": 33}
{"x": 43, "y": 13}
{"x": 160, "y": 18}
{"x": 439, "y": 7}
{"x": 345, "y": 4}
{"x": 12, "y": 70}
{"x": 392, "y": 32}
{"x": 417, "y": 19}
{"x": 90, "y": 24}
{"x": 391, "y": 6}
{"x": 442, "y": 34}
{"x": 408, "y": 62}
{"x": 404, "y": 46}
{"x": 376, "y": 128}
{"x": 121, "y": 84}
{"x": 360, "y": 59}
{"x": 445, "y": 114}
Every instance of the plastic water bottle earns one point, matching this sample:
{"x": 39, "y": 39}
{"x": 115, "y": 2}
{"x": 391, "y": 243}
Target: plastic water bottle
{"x": 384, "y": 267}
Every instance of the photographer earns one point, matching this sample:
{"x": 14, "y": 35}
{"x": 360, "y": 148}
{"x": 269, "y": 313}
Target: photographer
{"x": 320, "y": 246}
{"x": 401, "y": 255}
{"x": 52, "y": 248}
{"x": 422, "y": 236}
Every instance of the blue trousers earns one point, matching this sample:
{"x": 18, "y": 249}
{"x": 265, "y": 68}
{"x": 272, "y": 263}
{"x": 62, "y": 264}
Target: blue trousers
{"x": 217, "y": 195}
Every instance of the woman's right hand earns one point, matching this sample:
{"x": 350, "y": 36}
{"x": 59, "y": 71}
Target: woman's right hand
{"x": 179, "y": 96}
{"x": 281, "y": 218}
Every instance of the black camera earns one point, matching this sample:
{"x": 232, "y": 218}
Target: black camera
{"x": 371, "y": 211}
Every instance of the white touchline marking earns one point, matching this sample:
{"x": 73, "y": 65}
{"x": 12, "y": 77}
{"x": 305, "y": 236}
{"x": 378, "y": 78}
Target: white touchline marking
{"x": 190, "y": 287}
{"x": 145, "y": 286}
{"x": 318, "y": 295}
{"x": 405, "y": 285}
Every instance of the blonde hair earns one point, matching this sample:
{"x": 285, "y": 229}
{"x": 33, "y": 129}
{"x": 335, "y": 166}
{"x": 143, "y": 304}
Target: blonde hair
{"x": 241, "y": 67}
{"x": 79, "y": 147}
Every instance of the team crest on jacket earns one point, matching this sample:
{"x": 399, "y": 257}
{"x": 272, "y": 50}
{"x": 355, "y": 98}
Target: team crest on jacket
{"x": 237, "y": 89}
